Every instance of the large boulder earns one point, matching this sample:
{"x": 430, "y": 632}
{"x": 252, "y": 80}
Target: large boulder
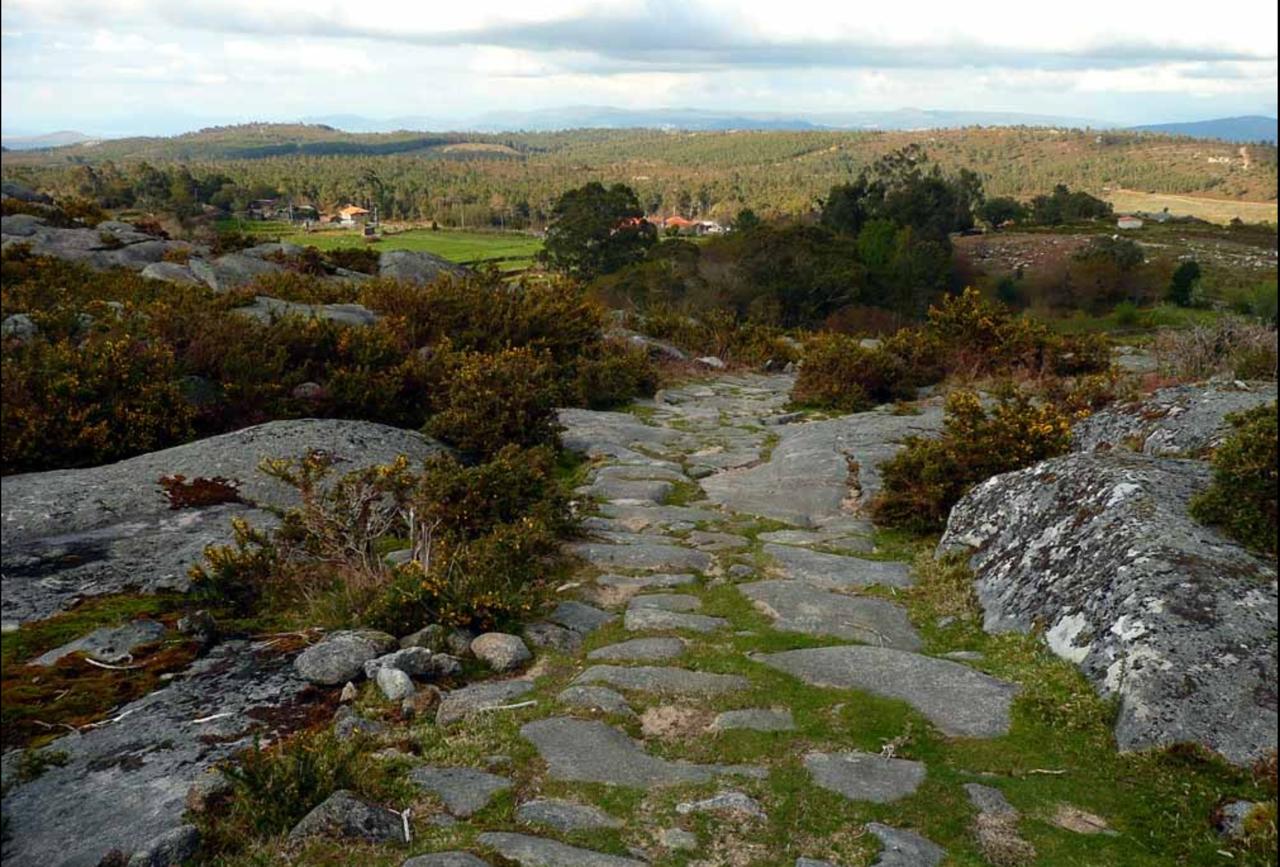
{"x": 1184, "y": 420}
{"x": 1171, "y": 618}
{"x": 266, "y": 309}
{"x": 123, "y": 785}
{"x": 414, "y": 266}
{"x": 73, "y": 533}
{"x": 232, "y": 270}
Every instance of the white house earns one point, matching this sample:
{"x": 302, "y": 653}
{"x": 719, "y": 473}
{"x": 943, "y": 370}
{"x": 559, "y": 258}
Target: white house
{"x": 1129, "y": 221}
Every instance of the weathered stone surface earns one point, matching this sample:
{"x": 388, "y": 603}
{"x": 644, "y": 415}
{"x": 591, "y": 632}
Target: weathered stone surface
{"x": 678, "y": 840}
{"x": 592, "y": 752}
{"x": 835, "y": 570}
{"x": 755, "y": 719}
{"x": 609, "y": 434}
{"x": 639, "y": 472}
{"x": 459, "y": 703}
{"x": 599, "y": 698}
{"x": 348, "y": 724}
{"x": 171, "y": 272}
{"x": 267, "y": 309}
{"x": 666, "y": 602}
{"x": 232, "y": 270}
{"x": 125, "y": 784}
{"x": 564, "y": 815}
{"x": 716, "y": 542}
{"x": 81, "y": 532}
{"x": 500, "y": 651}
{"x": 736, "y": 804}
{"x": 665, "y": 681}
{"x": 580, "y": 618}
{"x": 656, "y": 348}
{"x": 445, "y": 859}
{"x": 340, "y": 656}
{"x": 346, "y": 816}
{"x": 415, "y": 266}
{"x": 549, "y": 635}
{"x": 463, "y": 791}
{"x": 539, "y": 852}
{"x": 1183, "y": 420}
{"x": 865, "y": 776}
{"x": 108, "y": 644}
{"x": 394, "y": 684}
{"x": 642, "y": 619}
{"x": 173, "y": 847}
{"x": 415, "y": 662}
{"x": 638, "y": 517}
{"x": 987, "y": 799}
{"x": 859, "y": 544}
{"x": 1168, "y": 616}
{"x": 905, "y": 848}
{"x": 651, "y": 490}
{"x": 432, "y": 637}
{"x": 796, "y": 606}
{"x": 807, "y": 477}
{"x": 647, "y": 556}
{"x": 636, "y": 583}
{"x": 639, "y": 650}
{"x": 955, "y": 698}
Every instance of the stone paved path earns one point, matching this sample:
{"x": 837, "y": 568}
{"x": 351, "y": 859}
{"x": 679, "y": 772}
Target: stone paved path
{"x": 713, "y": 492}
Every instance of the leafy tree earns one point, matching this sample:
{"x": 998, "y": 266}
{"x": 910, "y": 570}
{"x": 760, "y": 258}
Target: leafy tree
{"x": 1000, "y": 210}
{"x": 1064, "y": 206}
{"x": 597, "y": 230}
{"x": 1183, "y": 283}
{"x": 746, "y": 220}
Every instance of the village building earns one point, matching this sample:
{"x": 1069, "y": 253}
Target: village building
{"x": 351, "y": 215}
{"x": 1128, "y": 221}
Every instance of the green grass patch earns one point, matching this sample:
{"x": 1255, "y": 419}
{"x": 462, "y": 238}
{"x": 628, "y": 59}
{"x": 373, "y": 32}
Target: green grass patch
{"x": 506, "y": 250}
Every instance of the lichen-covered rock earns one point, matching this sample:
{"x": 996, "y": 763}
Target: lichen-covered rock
{"x": 345, "y": 816}
{"x": 266, "y": 309}
{"x": 500, "y": 651}
{"x": 415, "y": 266}
{"x": 1183, "y": 420}
{"x": 98, "y": 530}
{"x": 340, "y": 657}
{"x": 1168, "y": 616}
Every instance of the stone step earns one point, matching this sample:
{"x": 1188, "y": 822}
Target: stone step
{"x": 640, "y": 650}
{"x": 681, "y": 602}
{"x": 865, "y": 776}
{"x": 529, "y": 851}
{"x": 589, "y": 751}
{"x": 836, "y": 570}
{"x": 652, "y": 619}
{"x": 663, "y": 680}
{"x": 797, "y": 606}
{"x": 957, "y": 699}
{"x": 650, "y": 556}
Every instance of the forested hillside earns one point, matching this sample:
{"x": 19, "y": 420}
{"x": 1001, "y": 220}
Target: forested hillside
{"x": 512, "y": 178}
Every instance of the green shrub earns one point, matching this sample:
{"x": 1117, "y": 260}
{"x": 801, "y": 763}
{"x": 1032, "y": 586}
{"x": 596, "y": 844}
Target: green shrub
{"x": 1242, "y": 498}
{"x": 840, "y": 374}
{"x": 619, "y": 373}
{"x": 929, "y": 476}
{"x": 483, "y": 541}
{"x": 493, "y": 400}
{"x": 1182, "y": 285}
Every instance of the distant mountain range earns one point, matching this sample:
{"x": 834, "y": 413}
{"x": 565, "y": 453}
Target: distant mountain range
{"x": 47, "y": 140}
{"x": 695, "y": 119}
{"x": 1250, "y": 128}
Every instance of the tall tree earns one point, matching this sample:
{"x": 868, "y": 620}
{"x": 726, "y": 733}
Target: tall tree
{"x": 596, "y": 230}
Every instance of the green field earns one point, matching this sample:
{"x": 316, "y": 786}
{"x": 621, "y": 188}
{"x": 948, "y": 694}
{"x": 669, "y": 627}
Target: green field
{"x": 508, "y": 251}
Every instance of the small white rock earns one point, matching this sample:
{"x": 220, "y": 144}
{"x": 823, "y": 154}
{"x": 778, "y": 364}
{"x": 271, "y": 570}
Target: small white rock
{"x": 394, "y": 683}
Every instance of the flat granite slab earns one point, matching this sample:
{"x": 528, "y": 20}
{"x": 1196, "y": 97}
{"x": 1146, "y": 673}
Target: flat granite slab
{"x": 957, "y": 699}
{"x": 797, "y": 606}
{"x": 639, "y": 650}
{"x": 663, "y": 680}
{"x": 646, "y": 556}
{"x": 529, "y": 851}
{"x": 836, "y": 570}
{"x": 865, "y": 776}
{"x": 589, "y": 751}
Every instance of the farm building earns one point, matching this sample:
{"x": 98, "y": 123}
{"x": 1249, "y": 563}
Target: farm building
{"x": 350, "y": 215}
{"x": 261, "y": 209}
{"x": 1128, "y": 221}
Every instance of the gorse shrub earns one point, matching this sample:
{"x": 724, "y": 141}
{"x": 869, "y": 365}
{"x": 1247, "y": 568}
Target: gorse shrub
{"x": 964, "y": 334}
{"x": 929, "y": 476}
{"x": 482, "y": 541}
{"x": 493, "y": 400}
{"x": 1242, "y": 499}
{"x": 152, "y": 364}
{"x": 840, "y": 374}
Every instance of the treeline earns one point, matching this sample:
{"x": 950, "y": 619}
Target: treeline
{"x": 515, "y": 179}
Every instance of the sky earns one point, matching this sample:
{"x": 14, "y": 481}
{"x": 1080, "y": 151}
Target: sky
{"x": 165, "y": 66}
